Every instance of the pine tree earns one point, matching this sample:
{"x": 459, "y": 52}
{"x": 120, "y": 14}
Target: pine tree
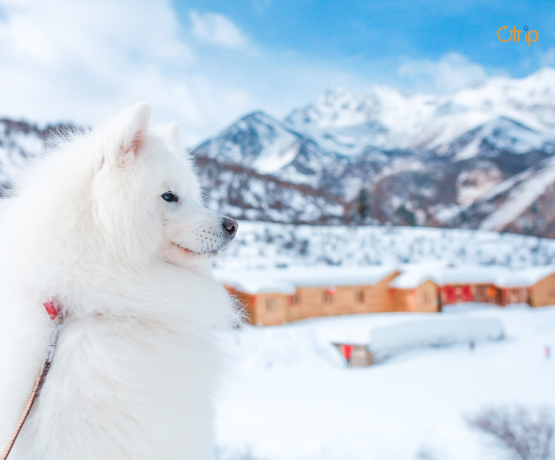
{"x": 363, "y": 204}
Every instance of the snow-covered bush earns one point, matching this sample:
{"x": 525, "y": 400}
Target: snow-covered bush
{"x": 523, "y": 433}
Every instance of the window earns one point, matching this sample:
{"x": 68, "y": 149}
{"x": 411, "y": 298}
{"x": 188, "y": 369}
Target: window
{"x": 294, "y": 299}
{"x": 329, "y": 294}
{"x": 492, "y": 292}
{"x": 359, "y": 296}
{"x": 328, "y": 298}
{"x": 271, "y": 304}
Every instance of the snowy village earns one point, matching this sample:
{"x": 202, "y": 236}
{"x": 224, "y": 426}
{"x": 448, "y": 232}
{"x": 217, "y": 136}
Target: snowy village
{"x": 422, "y": 324}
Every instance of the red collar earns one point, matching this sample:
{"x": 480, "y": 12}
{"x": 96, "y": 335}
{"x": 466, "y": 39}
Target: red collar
{"x": 52, "y": 308}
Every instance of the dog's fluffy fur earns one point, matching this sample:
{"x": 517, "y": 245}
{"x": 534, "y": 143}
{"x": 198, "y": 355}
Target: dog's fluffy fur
{"x": 136, "y": 365}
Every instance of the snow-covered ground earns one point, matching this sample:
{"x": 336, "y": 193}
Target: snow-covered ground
{"x": 291, "y": 398}
{"x": 266, "y": 245}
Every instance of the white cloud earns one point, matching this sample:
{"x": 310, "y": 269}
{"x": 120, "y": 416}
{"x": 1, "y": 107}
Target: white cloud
{"x": 80, "y": 61}
{"x": 68, "y": 60}
{"x": 451, "y": 72}
{"x": 215, "y": 29}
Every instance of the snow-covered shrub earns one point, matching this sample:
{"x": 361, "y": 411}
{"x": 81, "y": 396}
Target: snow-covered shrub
{"x": 523, "y": 433}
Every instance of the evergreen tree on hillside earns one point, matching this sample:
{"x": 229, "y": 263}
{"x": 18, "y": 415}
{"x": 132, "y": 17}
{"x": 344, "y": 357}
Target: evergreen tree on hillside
{"x": 363, "y": 204}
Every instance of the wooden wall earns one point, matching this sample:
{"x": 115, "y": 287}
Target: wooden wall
{"x": 311, "y": 302}
{"x": 426, "y": 298}
{"x": 271, "y": 308}
{"x": 543, "y": 292}
{"x": 423, "y": 298}
{"x": 485, "y": 293}
{"x": 379, "y": 299}
{"x": 401, "y": 299}
{"x": 514, "y": 295}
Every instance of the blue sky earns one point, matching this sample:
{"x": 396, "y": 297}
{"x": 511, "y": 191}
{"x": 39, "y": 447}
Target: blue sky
{"x": 205, "y": 63}
{"x": 362, "y": 35}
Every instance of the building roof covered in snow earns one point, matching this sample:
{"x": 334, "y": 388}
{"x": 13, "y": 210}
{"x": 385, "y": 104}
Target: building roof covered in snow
{"x": 412, "y": 279}
{"x": 285, "y": 280}
{"x": 502, "y": 277}
{"x": 499, "y": 276}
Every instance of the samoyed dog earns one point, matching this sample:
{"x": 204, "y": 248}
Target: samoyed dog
{"x": 108, "y": 226}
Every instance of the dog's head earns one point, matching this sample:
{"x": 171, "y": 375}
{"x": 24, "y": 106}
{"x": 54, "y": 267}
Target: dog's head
{"x": 146, "y": 195}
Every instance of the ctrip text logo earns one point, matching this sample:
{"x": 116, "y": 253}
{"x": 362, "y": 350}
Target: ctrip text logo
{"x": 515, "y": 35}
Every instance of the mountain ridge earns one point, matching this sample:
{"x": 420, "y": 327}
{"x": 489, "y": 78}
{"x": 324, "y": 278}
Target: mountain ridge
{"x": 418, "y": 159}
{"x": 378, "y": 156}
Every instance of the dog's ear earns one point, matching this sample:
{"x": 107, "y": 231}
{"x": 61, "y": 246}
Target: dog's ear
{"x": 132, "y": 125}
{"x": 171, "y": 134}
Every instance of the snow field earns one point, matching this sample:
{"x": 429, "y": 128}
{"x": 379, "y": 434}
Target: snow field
{"x": 292, "y": 398}
{"x": 267, "y": 245}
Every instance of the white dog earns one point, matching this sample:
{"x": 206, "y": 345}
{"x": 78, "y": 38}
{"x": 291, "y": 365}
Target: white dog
{"x": 110, "y": 227}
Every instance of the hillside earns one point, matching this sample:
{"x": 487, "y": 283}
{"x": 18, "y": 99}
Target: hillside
{"x": 268, "y": 245}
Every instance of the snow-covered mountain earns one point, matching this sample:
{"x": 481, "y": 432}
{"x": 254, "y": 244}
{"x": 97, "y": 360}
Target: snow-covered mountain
{"x": 21, "y": 141}
{"x": 349, "y": 122}
{"x": 407, "y": 159}
{"x": 477, "y": 158}
{"x": 500, "y": 114}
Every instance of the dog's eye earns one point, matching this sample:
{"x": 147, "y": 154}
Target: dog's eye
{"x": 169, "y": 197}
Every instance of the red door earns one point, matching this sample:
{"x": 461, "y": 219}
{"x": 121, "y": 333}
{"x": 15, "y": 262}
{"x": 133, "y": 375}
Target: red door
{"x": 467, "y": 294}
{"x": 450, "y": 294}
{"x": 347, "y": 351}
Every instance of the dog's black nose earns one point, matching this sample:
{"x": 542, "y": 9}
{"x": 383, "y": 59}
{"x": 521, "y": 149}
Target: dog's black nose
{"x": 230, "y": 226}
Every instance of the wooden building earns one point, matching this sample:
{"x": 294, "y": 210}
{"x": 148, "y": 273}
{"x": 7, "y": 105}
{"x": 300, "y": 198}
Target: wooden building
{"x": 272, "y": 297}
{"x": 542, "y": 291}
{"x": 534, "y": 286}
{"x": 412, "y": 292}
{"x": 278, "y": 296}
{"x": 347, "y": 295}
{"x": 268, "y": 305}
